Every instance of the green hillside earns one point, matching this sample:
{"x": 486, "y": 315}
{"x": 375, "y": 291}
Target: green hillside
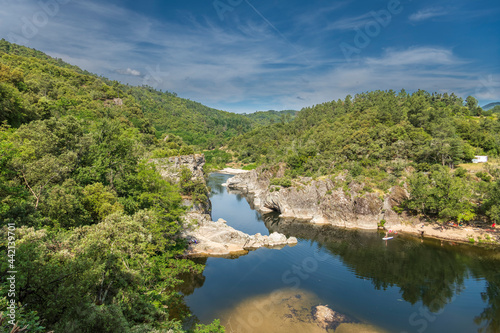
{"x": 95, "y": 226}
{"x": 262, "y": 118}
{"x": 46, "y": 87}
{"x": 382, "y": 139}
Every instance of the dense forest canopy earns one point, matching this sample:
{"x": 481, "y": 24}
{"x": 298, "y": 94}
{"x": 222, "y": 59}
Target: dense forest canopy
{"x": 96, "y": 226}
{"x": 383, "y": 139}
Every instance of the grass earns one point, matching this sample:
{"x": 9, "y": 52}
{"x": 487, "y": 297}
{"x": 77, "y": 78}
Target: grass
{"x": 494, "y": 162}
{"x": 472, "y": 166}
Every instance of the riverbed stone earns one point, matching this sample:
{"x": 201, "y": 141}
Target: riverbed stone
{"x": 327, "y": 318}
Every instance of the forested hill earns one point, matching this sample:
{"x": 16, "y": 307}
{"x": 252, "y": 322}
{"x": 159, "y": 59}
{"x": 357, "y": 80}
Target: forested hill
{"x": 382, "y": 139}
{"x": 374, "y": 126}
{"x": 262, "y": 118}
{"x": 36, "y": 86}
{"x": 95, "y": 226}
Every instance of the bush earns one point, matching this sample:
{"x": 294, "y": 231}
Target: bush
{"x": 460, "y": 172}
{"x": 484, "y": 176}
{"x": 252, "y": 166}
{"x": 285, "y": 182}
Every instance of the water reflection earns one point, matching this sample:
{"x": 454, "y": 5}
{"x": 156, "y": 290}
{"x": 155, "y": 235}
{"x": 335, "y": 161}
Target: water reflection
{"x": 432, "y": 271}
{"x": 439, "y": 283}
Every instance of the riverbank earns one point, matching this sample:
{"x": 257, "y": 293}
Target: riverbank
{"x": 466, "y": 234}
{"x": 231, "y": 171}
{"x": 320, "y": 202}
{"x": 208, "y": 238}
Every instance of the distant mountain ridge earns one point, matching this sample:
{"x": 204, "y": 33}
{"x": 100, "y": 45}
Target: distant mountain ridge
{"x": 490, "y": 106}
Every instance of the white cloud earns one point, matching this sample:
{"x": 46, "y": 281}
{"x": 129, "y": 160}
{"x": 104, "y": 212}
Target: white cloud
{"x": 416, "y": 56}
{"x": 428, "y": 13}
{"x": 128, "y": 71}
{"x": 242, "y": 69}
{"x": 350, "y": 23}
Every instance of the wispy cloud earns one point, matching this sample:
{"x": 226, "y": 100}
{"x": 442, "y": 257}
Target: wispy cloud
{"x": 240, "y": 67}
{"x": 416, "y": 56}
{"x": 428, "y": 13}
{"x": 350, "y": 23}
{"x": 128, "y": 71}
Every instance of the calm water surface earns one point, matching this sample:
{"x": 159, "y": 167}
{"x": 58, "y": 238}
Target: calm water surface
{"x": 402, "y": 285}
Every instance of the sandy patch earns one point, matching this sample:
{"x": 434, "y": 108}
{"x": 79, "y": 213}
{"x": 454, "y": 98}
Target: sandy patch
{"x": 287, "y": 311}
{"x": 231, "y": 171}
{"x": 460, "y": 234}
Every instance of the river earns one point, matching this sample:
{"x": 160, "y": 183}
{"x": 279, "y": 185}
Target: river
{"x": 401, "y": 285}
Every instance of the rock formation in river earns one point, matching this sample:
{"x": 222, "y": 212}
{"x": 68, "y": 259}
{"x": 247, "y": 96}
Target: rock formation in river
{"x": 206, "y": 237}
{"x": 320, "y": 201}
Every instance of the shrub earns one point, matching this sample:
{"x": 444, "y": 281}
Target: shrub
{"x": 460, "y": 172}
{"x": 285, "y": 182}
{"x": 484, "y": 176}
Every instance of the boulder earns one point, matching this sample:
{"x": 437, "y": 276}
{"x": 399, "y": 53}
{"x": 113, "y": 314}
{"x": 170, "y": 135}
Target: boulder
{"x": 327, "y": 318}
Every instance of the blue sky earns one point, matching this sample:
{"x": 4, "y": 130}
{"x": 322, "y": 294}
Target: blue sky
{"x": 243, "y": 56}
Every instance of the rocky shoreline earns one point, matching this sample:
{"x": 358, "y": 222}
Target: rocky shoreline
{"x": 207, "y": 238}
{"x": 216, "y": 239}
{"x": 320, "y": 202}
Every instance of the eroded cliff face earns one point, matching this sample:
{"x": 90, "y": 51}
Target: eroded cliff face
{"x": 206, "y": 237}
{"x": 320, "y": 201}
{"x": 170, "y": 169}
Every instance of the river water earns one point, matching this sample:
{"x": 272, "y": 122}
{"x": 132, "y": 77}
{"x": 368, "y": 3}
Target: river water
{"x": 400, "y": 285}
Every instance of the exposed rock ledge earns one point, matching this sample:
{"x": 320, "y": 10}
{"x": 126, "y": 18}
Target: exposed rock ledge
{"x": 210, "y": 238}
{"x": 214, "y": 239}
{"x": 320, "y": 201}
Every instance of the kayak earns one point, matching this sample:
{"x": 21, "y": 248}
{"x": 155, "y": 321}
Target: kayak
{"x": 387, "y": 238}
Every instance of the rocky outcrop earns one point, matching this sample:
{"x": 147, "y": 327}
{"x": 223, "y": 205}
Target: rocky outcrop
{"x": 321, "y": 201}
{"x": 205, "y": 237}
{"x": 170, "y": 168}
{"x": 208, "y": 238}
{"x": 327, "y": 318}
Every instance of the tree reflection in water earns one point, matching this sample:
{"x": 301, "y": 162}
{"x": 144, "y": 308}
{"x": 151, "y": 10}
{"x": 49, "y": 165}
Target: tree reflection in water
{"x": 432, "y": 272}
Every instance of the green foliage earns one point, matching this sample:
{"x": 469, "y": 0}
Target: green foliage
{"x": 195, "y": 188}
{"x": 97, "y": 241}
{"x": 214, "y": 327}
{"x": 441, "y": 194}
{"x": 284, "y": 182}
{"x": 492, "y": 204}
{"x": 217, "y": 158}
{"x": 460, "y": 172}
{"x": 263, "y": 118}
{"x": 374, "y": 126}
{"x": 195, "y": 123}
{"x": 484, "y": 176}
{"x": 100, "y": 201}
{"x": 249, "y": 167}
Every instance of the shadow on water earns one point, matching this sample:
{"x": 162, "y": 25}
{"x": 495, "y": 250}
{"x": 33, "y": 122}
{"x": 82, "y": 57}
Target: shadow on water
{"x": 441, "y": 285}
{"x": 429, "y": 271}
